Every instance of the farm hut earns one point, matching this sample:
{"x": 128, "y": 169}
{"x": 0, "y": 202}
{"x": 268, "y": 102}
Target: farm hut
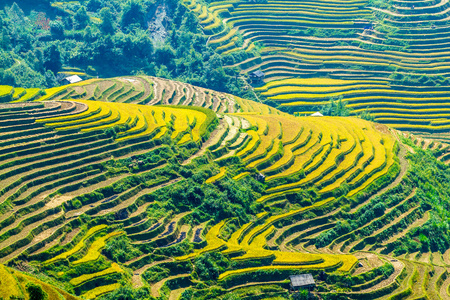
{"x": 257, "y": 76}
{"x": 317, "y": 114}
{"x": 260, "y": 177}
{"x": 72, "y": 79}
{"x": 302, "y": 281}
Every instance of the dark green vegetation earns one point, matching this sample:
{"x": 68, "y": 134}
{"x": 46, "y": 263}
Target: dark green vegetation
{"x": 106, "y": 39}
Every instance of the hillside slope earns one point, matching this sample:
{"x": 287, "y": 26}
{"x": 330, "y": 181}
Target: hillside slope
{"x": 145, "y": 90}
{"x": 387, "y": 58}
{"x": 19, "y": 285}
{"x": 169, "y": 201}
{"x": 399, "y": 109}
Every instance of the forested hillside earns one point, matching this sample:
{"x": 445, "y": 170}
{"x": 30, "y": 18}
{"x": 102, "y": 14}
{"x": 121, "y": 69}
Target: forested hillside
{"x": 107, "y": 38}
{"x": 167, "y": 173}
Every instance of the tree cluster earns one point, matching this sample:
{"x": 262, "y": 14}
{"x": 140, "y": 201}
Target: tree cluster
{"x": 110, "y": 38}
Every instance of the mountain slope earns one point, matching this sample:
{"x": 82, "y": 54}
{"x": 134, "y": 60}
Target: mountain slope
{"x": 106, "y": 196}
{"x": 389, "y": 59}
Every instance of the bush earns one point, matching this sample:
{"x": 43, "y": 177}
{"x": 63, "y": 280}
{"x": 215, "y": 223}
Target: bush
{"x": 208, "y": 266}
{"x": 36, "y": 292}
{"x": 120, "y": 250}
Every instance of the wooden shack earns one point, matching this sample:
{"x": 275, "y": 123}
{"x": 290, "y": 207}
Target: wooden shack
{"x": 257, "y": 77}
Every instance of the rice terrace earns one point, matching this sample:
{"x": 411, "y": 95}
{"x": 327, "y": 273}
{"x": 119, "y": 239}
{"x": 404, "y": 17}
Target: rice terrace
{"x": 237, "y": 149}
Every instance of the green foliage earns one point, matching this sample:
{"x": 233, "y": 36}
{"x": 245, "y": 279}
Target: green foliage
{"x": 57, "y": 29}
{"x": 304, "y": 197}
{"x": 366, "y": 115}
{"x": 326, "y": 237}
{"x": 133, "y": 15}
{"x": 208, "y": 266}
{"x": 432, "y": 180}
{"x": 36, "y": 292}
{"x": 419, "y": 80}
{"x": 120, "y": 250}
{"x": 53, "y": 58}
{"x": 113, "y": 38}
{"x": 81, "y": 18}
{"x": 300, "y": 295}
{"x": 334, "y": 109}
{"x": 128, "y": 293}
{"x": 107, "y": 17}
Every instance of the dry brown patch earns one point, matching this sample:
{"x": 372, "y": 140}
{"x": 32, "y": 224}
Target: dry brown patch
{"x": 373, "y": 260}
{"x": 43, "y": 235}
{"x": 382, "y": 128}
{"x": 57, "y": 201}
{"x": 78, "y": 89}
{"x": 69, "y": 237}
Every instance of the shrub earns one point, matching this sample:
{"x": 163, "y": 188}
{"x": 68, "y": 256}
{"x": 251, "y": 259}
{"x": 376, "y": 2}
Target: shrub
{"x": 36, "y": 292}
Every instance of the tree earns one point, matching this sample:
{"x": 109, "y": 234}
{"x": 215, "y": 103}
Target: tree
{"x": 52, "y": 58}
{"x": 206, "y": 267}
{"x": 138, "y": 45}
{"x": 57, "y": 29}
{"x": 216, "y": 79}
{"x": 366, "y": 115}
{"x": 191, "y": 23}
{"x": 50, "y": 79}
{"x": 36, "y": 292}
{"x": 165, "y": 56}
{"x": 81, "y": 18}
{"x": 16, "y": 12}
{"x": 93, "y": 5}
{"x": 7, "y": 77}
{"x": 107, "y": 26}
{"x": 338, "y": 109}
{"x": 133, "y": 14}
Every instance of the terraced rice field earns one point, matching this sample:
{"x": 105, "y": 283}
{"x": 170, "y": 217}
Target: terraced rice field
{"x": 337, "y": 37}
{"x": 75, "y": 175}
{"x": 366, "y": 50}
{"x": 137, "y": 90}
{"x": 59, "y": 149}
{"x": 418, "y": 109}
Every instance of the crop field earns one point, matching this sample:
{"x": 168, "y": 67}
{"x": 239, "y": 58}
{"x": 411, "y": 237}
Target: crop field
{"x": 381, "y": 57}
{"x": 419, "y": 109}
{"x": 98, "y": 193}
{"x": 134, "y": 183}
{"x": 132, "y": 89}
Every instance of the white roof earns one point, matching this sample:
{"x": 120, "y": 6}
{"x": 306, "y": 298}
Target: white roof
{"x": 302, "y": 280}
{"x": 317, "y": 114}
{"x": 74, "y": 79}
